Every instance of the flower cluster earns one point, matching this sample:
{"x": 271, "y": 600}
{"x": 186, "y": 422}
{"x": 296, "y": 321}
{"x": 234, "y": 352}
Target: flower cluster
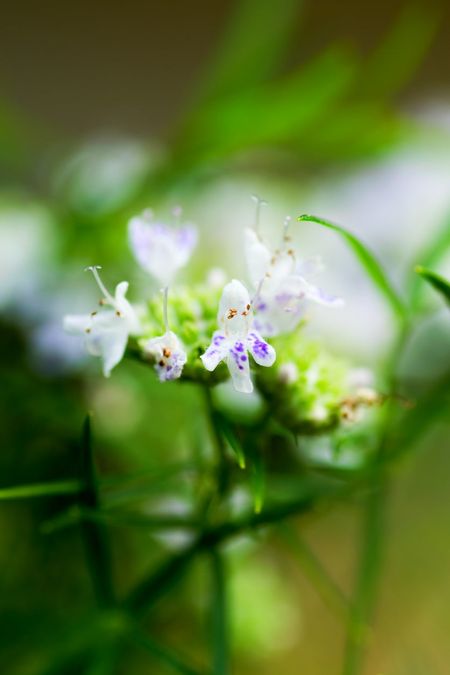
{"x": 196, "y": 339}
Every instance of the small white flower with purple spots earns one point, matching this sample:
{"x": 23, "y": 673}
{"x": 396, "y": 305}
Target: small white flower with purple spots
{"x": 167, "y": 351}
{"x": 169, "y": 356}
{"x": 106, "y": 332}
{"x": 236, "y": 337}
{"x": 161, "y": 250}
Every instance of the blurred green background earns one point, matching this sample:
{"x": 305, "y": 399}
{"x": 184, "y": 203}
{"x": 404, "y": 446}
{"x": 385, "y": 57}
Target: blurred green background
{"x": 105, "y": 109}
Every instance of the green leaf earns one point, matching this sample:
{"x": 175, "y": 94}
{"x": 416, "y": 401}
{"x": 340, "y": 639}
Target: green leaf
{"x": 63, "y": 487}
{"x": 436, "y": 281}
{"x": 232, "y": 440}
{"x": 368, "y": 261}
{"x": 258, "y": 481}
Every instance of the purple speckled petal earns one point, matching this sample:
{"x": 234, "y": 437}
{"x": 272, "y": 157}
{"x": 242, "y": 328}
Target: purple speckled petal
{"x": 263, "y": 353}
{"x": 216, "y": 352}
{"x": 238, "y": 365}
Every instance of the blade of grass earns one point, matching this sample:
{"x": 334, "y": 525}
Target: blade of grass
{"x": 34, "y": 490}
{"x": 368, "y": 261}
{"x": 432, "y": 253}
{"x": 436, "y": 281}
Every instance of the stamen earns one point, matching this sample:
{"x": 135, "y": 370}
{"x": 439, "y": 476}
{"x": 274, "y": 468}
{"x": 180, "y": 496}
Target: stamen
{"x": 259, "y": 202}
{"x": 165, "y": 292}
{"x": 94, "y": 269}
{"x": 177, "y": 212}
{"x": 286, "y": 225}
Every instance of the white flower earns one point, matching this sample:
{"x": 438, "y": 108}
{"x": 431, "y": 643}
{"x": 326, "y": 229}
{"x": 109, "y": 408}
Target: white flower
{"x": 280, "y": 285}
{"x": 235, "y": 337}
{"x": 167, "y": 351}
{"x": 106, "y": 331}
{"x": 159, "y": 249}
{"x": 169, "y": 356}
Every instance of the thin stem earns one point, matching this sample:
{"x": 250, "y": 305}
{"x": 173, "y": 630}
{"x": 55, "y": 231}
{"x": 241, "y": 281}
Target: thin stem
{"x": 259, "y": 202}
{"x": 165, "y": 292}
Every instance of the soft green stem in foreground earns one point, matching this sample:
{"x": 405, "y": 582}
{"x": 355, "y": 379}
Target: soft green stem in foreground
{"x": 367, "y": 579}
{"x": 95, "y": 538}
{"x": 220, "y": 627}
{"x": 373, "y": 527}
{"x": 328, "y": 590}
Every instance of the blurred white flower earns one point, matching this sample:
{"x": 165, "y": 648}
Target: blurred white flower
{"x": 235, "y": 337}
{"x": 106, "y": 332}
{"x": 280, "y": 285}
{"x": 159, "y": 249}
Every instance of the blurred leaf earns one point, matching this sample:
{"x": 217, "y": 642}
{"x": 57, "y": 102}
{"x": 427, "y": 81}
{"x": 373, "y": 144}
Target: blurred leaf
{"x": 254, "y": 46}
{"x": 436, "y": 280}
{"x": 64, "y": 487}
{"x": 397, "y": 58}
{"x": 353, "y": 130}
{"x": 368, "y": 261}
{"x": 269, "y": 114}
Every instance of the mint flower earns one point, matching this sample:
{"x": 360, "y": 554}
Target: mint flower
{"x": 159, "y": 249}
{"x": 106, "y": 331}
{"x": 280, "y": 285}
{"x": 167, "y": 350}
{"x": 236, "y": 337}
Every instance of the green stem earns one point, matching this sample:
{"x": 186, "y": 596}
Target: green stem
{"x": 94, "y": 534}
{"x": 148, "y": 591}
{"x": 367, "y": 579}
{"x": 220, "y": 628}
{"x": 313, "y": 569}
{"x": 222, "y": 463}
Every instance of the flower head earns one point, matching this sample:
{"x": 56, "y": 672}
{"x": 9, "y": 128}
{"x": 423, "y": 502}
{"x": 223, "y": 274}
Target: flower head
{"x": 106, "y": 331}
{"x": 159, "y": 249}
{"x": 167, "y": 350}
{"x": 236, "y": 337}
{"x": 280, "y": 285}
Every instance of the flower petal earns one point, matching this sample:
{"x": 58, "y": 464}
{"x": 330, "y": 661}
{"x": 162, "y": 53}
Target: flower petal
{"x": 169, "y": 355}
{"x": 238, "y": 365}
{"x": 159, "y": 249}
{"x": 216, "y": 352}
{"x": 257, "y": 257}
{"x": 263, "y": 353}
{"x": 235, "y": 312}
{"x": 318, "y": 295}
